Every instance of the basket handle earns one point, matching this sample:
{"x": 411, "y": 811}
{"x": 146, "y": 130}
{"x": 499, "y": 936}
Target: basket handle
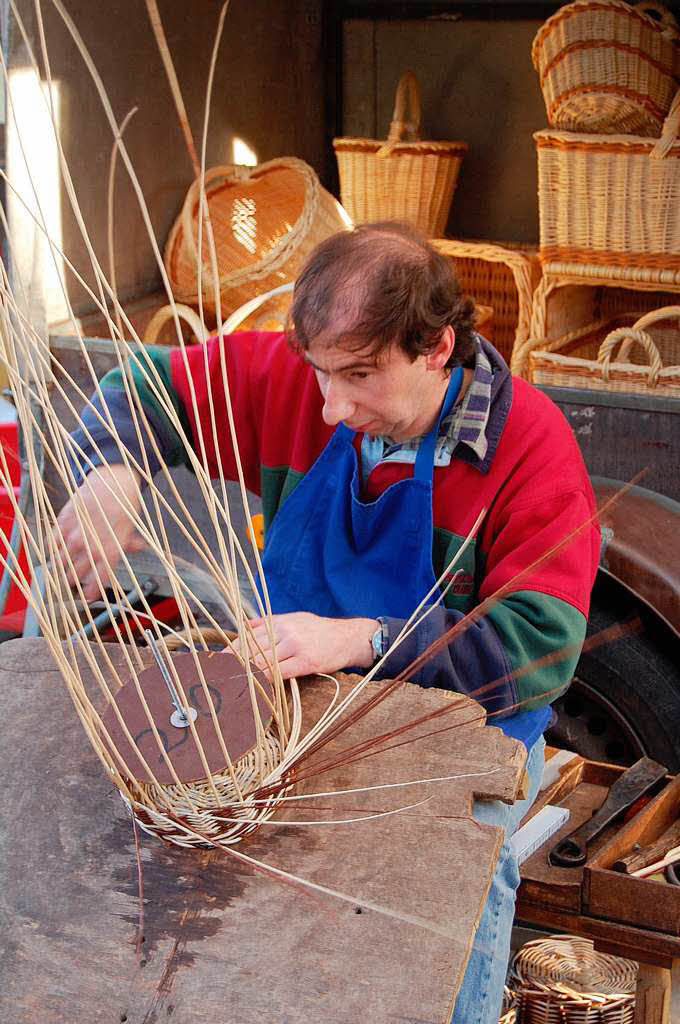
{"x": 235, "y": 172}
{"x": 405, "y": 123}
{"x": 165, "y": 313}
{"x": 663, "y": 313}
{"x": 666, "y": 21}
{"x": 669, "y": 131}
{"x": 628, "y": 336}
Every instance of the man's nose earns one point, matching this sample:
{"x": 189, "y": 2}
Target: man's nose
{"x": 337, "y": 406}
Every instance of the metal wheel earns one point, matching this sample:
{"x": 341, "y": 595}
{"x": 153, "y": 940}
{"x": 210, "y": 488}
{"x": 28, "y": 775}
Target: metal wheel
{"x": 624, "y": 702}
{"x": 591, "y": 725}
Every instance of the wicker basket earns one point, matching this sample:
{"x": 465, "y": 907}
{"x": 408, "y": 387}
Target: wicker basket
{"x": 402, "y": 178}
{"x": 501, "y": 278}
{"x": 265, "y": 220}
{"x": 562, "y": 980}
{"x": 585, "y": 308}
{"x": 606, "y": 66}
{"x": 648, "y": 359}
{"x": 612, "y": 200}
{"x": 509, "y": 1010}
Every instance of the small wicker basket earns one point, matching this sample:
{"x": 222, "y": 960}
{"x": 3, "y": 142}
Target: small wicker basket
{"x": 606, "y": 66}
{"x": 612, "y": 200}
{"x": 572, "y": 363}
{"x": 401, "y": 178}
{"x": 562, "y": 980}
{"x": 265, "y": 220}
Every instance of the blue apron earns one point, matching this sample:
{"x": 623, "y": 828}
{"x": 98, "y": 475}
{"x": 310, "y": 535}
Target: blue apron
{"x": 330, "y": 553}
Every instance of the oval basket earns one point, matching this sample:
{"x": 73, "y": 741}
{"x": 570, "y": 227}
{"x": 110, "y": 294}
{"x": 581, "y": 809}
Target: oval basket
{"x": 562, "y": 980}
{"x": 401, "y": 178}
{"x": 648, "y": 360}
{"x": 265, "y": 221}
{"x": 606, "y": 66}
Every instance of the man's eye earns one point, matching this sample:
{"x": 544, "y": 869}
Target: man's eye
{"x": 359, "y": 374}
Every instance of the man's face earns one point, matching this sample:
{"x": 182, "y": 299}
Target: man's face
{"x": 386, "y": 395}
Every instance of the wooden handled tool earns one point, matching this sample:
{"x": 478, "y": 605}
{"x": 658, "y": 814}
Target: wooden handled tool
{"x": 637, "y": 780}
{"x": 670, "y": 858}
{"x": 648, "y": 854}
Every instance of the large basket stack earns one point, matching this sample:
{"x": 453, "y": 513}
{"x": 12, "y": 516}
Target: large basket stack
{"x": 609, "y": 168}
{"x": 608, "y": 171}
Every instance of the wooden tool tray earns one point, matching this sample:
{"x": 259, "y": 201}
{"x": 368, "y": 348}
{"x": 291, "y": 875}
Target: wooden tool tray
{"x": 582, "y": 787}
{"x": 642, "y": 902}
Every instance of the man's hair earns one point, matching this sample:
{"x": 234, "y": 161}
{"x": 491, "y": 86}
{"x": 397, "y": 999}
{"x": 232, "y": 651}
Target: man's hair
{"x": 378, "y": 285}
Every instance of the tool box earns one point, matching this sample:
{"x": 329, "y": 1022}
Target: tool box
{"x": 596, "y": 889}
{"x": 643, "y": 902}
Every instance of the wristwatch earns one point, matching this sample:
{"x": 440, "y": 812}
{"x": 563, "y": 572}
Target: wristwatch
{"x": 380, "y": 641}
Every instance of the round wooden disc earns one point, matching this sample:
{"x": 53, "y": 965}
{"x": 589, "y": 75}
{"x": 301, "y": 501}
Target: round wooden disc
{"x": 228, "y": 687}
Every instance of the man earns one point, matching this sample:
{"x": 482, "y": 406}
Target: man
{"x": 375, "y": 434}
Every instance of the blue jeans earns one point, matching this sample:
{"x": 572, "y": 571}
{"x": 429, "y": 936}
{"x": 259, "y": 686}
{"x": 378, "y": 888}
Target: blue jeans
{"x": 480, "y": 997}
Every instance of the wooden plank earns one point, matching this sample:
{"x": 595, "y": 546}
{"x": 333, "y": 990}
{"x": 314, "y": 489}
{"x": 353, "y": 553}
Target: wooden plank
{"x": 653, "y": 995}
{"x": 620, "y": 939}
{"x": 222, "y": 941}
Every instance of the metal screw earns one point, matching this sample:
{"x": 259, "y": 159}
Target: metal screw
{"x": 180, "y": 718}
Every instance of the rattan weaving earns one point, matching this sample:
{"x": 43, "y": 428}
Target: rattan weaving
{"x": 606, "y": 66}
{"x": 572, "y": 310}
{"x": 265, "y": 221}
{"x": 402, "y": 178}
{"x": 643, "y": 357}
{"x": 612, "y": 200}
{"x": 510, "y": 1004}
{"x": 563, "y": 980}
{"x": 498, "y": 277}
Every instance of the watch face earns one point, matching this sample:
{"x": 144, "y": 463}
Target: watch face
{"x": 378, "y": 642}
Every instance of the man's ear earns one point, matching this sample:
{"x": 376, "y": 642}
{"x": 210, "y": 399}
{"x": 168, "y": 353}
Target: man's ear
{"x": 441, "y": 353}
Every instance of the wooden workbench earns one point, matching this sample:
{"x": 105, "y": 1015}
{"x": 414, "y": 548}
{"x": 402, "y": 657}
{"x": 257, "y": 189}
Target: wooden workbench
{"x": 224, "y": 942}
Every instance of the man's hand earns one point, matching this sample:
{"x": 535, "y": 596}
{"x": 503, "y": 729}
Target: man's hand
{"x": 102, "y": 500}
{"x": 306, "y": 643}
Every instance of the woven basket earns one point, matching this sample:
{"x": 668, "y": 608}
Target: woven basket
{"x": 611, "y": 200}
{"x": 510, "y": 1004}
{"x": 498, "y": 277}
{"x": 402, "y": 178}
{"x": 227, "y": 820}
{"x": 605, "y": 66}
{"x": 562, "y": 980}
{"x": 564, "y": 302}
{"x": 609, "y": 370}
{"x": 265, "y": 220}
